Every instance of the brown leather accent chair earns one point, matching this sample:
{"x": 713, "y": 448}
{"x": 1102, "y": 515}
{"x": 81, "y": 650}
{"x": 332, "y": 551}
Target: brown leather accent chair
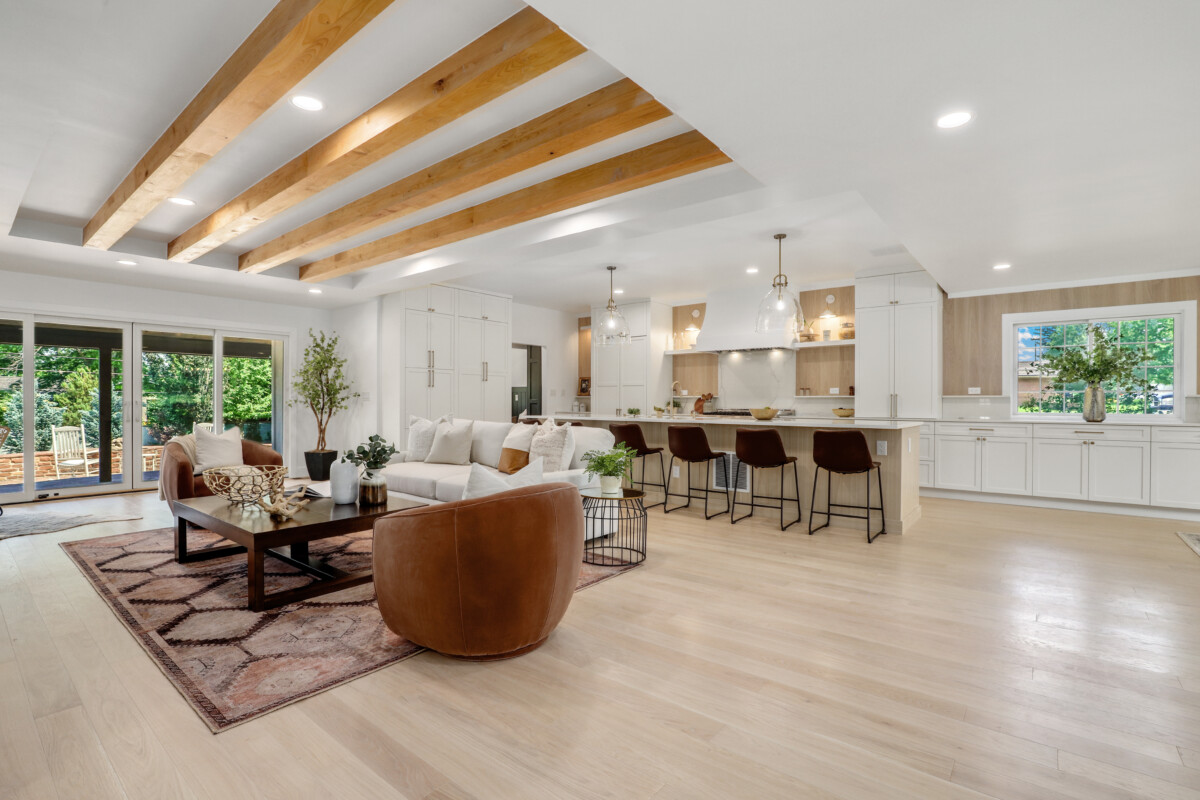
{"x": 762, "y": 448}
{"x": 845, "y": 452}
{"x": 689, "y": 444}
{"x": 481, "y": 579}
{"x": 630, "y": 434}
{"x": 178, "y": 482}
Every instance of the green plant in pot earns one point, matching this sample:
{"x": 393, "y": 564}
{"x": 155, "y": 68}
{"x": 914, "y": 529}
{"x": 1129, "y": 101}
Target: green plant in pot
{"x": 372, "y": 456}
{"x": 1104, "y": 363}
{"x": 321, "y": 384}
{"x": 611, "y": 465}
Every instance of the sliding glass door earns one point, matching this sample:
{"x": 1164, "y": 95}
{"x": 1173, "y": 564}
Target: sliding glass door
{"x": 13, "y": 485}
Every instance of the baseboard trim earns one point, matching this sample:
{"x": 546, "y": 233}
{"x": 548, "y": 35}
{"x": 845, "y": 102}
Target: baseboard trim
{"x": 1069, "y": 505}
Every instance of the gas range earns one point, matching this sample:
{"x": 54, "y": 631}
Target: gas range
{"x": 744, "y": 412}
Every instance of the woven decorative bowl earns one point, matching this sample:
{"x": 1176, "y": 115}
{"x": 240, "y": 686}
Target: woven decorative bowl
{"x": 764, "y": 413}
{"x": 244, "y": 484}
{"x": 844, "y": 412}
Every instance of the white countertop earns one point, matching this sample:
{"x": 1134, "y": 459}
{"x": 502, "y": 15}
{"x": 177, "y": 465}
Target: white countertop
{"x": 778, "y": 422}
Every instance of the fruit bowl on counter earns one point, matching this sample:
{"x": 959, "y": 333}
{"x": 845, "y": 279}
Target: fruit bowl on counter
{"x": 764, "y": 414}
{"x": 844, "y": 412}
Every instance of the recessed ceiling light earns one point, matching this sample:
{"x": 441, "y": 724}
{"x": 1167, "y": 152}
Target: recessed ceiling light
{"x": 314, "y": 291}
{"x": 1001, "y": 266}
{"x": 618, "y": 291}
{"x": 955, "y": 119}
{"x": 306, "y": 103}
{"x": 181, "y": 201}
{"x": 125, "y": 262}
{"x": 751, "y": 270}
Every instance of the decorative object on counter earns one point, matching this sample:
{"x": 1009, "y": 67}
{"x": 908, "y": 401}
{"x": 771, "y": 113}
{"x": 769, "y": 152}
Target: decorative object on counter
{"x": 675, "y": 407}
{"x": 847, "y": 331}
{"x": 585, "y": 387}
{"x": 764, "y": 413}
{"x": 611, "y": 328}
{"x": 658, "y": 412}
{"x": 372, "y": 457}
{"x": 633, "y": 412}
{"x": 827, "y": 335}
{"x": 843, "y": 412}
{"x": 244, "y": 484}
{"x": 1102, "y": 362}
{"x": 283, "y": 506}
{"x": 321, "y": 385}
{"x": 806, "y": 333}
{"x": 804, "y": 391}
{"x": 343, "y": 481}
{"x": 610, "y": 466}
{"x": 698, "y": 406}
{"x": 780, "y": 309}
{"x": 852, "y": 391}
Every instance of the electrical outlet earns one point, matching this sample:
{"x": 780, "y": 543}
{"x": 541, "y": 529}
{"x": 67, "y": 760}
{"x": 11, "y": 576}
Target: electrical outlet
{"x": 834, "y": 390}
{"x": 973, "y": 390}
{"x": 910, "y": 444}
{"x": 881, "y": 448}
{"x": 675, "y": 472}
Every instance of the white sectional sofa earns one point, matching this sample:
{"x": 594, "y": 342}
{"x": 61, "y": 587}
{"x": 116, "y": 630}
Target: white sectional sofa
{"x": 444, "y": 483}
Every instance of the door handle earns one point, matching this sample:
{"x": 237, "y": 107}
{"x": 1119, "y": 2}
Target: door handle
{"x": 989, "y": 430}
{"x": 483, "y": 369}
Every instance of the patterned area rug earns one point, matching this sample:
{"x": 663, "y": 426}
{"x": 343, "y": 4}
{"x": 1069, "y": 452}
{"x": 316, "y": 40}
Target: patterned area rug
{"x": 1192, "y": 540}
{"x": 233, "y": 664}
{"x": 28, "y": 521}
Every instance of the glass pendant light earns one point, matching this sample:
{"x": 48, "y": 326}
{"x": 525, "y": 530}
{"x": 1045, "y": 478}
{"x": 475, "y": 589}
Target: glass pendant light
{"x": 779, "y": 311}
{"x": 611, "y": 328}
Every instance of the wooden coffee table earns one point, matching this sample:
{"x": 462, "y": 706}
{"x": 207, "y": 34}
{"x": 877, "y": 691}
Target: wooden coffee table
{"x": 257, "y": 535}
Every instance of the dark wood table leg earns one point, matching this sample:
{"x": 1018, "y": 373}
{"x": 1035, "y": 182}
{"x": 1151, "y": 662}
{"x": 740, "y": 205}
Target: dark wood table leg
{"x": 180, "y": 539}
{"x": 299, "y": 551}
{"x": 255, "y": 580}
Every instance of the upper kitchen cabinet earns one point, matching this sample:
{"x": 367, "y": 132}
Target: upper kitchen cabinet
{"x": 478, "y": 305}
{"x": 897, "y": 368}
{"x": 899, "y": 289}
{"x": 434, "y": 299}
{"x": 636, "y": 374}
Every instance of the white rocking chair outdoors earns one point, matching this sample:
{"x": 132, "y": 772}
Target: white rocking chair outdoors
{"x": 71, "y": 451}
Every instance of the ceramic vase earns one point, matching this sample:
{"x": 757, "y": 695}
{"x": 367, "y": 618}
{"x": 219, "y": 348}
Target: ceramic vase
{"x": 610, "y": 484}
{"x": 343, "y": 482}
{"x": 1093, "y": 403}
{"x": 372, "y": 489}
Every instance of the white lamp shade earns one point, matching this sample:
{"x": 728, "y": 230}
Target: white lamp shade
{"x": 610, "y": 328}
{"x": 778, "y": 312}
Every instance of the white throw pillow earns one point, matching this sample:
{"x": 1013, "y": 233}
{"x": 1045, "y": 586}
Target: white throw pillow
{"x": 224, "y": 450}
{"x": 451, "y": 443}
{"x": 487, "y": 439}
{"x": 420, "y": 436}
{"x": 553, "y": 443}
{"x": 481, "y": 481}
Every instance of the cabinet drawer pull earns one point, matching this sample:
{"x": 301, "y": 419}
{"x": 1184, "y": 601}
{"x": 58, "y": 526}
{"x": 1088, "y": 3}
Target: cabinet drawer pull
{"x": 990, "y": 430}
{"x": 1089, "y": 433}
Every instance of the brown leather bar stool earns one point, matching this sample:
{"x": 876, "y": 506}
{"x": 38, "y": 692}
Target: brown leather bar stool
{"x": 846, "y": 453}
{"x": 630, "y": 435}
{"x": 762, "y": 448}
{"x": 689, "y": 444}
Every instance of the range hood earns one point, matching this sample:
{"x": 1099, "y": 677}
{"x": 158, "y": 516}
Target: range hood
{"x": 729, "y": 323}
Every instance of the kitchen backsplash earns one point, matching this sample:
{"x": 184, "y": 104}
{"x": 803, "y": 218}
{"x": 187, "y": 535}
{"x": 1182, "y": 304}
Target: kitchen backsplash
{"x": 757, "y": 378}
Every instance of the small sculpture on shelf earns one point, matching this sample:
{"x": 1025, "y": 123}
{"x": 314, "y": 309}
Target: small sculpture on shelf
{"x": 282, "y": 505}
{"x": 698, "y": 406}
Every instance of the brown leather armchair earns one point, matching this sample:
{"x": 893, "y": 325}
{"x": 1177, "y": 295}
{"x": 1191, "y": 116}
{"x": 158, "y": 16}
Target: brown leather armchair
{"x": 175, "y": 472}
{"x": 481, "y": 579}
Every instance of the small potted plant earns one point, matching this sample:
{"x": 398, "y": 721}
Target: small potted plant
{"x": 372, "y": 457}
{"x": 633, "y": 412}
{"x": 1105, "y": 362}
{"x": 610, "y": 465}
{"x": 658, "y": 411}
{"x": 321, "y": 385}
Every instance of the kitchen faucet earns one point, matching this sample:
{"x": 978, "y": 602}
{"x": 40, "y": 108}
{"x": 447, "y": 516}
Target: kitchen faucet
{"x": 671, "y": 404}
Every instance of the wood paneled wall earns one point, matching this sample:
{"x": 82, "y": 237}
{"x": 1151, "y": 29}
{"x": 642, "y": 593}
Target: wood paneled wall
{"x": 585, "y": 348}
{"x": 681, "y": 316}
{"x": 820, "y": 368}
{"x": 972, "y": 338}
{"x": 696, "y": 373}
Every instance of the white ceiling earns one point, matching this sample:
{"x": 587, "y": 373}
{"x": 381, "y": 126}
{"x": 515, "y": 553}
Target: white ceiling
{"x": 1080, "y": 166}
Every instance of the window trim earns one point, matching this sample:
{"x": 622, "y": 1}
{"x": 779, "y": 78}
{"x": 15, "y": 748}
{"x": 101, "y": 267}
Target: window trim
{"x": 1185, "y": 352}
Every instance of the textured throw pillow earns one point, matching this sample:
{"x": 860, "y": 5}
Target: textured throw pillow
{"x": 451, "y": 443}
{"x": 554, "y": 444}
{"x": 420, "y": 436}
{"x": 224, "y": 450}
{"x": 514, "y": 453}
{"x": 481, "y": 481}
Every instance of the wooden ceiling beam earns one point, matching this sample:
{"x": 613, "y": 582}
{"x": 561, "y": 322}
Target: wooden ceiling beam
{"x": 616, "y": 109}
{"x": 296, "y": 37}
{"x": 518, "y": 50}
{"x": 671, "y": 158}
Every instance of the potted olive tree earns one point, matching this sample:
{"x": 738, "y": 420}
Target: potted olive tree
{"x": 1105, "y": 362}
{"x": 610, "y": 465}
{"x": 321, "y": 385}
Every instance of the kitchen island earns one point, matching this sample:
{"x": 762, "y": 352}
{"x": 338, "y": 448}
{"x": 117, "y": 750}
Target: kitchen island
{"x": 900, "y": 440}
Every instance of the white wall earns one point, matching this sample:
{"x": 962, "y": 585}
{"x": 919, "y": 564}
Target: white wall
{"x": 22, "y": 292}
{"x": 557, "y": 332}
{"x": 358, "y": 329}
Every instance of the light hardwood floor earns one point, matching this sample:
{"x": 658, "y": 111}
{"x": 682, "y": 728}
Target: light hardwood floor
{"x": 994, "y": 651}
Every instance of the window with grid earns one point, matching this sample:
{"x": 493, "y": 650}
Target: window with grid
{"x": 1154, "y": 336}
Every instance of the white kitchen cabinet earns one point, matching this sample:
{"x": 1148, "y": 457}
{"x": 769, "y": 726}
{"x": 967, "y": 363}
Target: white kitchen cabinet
{"x": 1060, "y": 468}
{"x": 606, "y": 400}
{"x": 957, "y": 463}
{"x": 484, "y": 378}
{"x": 1175, "y": 472}
{"x": 633, "y": 362}
{"x": 986, "y": 459}
{"x": 479, "y": 305}
{"x": 1119, "y": 472}
{"x": 428, "y": 340}
{"x": 428, "y": 393}
{"x": 897, "y": 359}
{"x": 1006, "y": 465}
{"x": 925, "y": 476}
{"x": 606, "y": 364}
{"x": 497, "y": 309}
{"x": 433, "y": 299}
{"x": 1110, "y": 464}
{"x": 635, "y": 374}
